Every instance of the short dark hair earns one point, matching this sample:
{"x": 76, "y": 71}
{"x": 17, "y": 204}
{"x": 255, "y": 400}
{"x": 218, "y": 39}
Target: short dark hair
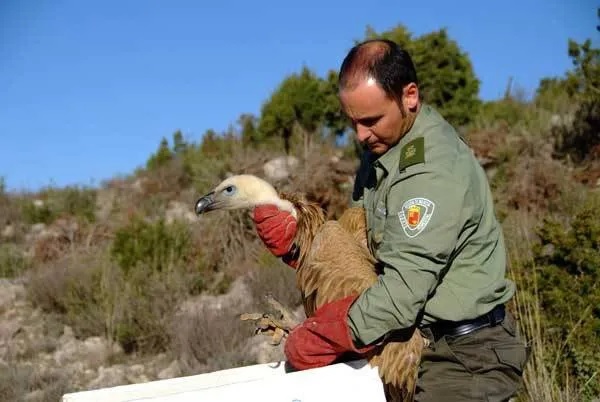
{"x": 383, "y": 60}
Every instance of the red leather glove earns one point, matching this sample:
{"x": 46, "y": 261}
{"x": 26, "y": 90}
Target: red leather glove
{"x": 277, "y": 230}
{"x": 323, "y": 338}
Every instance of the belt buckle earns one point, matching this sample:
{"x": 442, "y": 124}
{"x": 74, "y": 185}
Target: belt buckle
{"x": 464, "y": 329}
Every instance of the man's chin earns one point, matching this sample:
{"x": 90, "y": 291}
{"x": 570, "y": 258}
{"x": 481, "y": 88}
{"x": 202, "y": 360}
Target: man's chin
{"x": 378, "y": 148}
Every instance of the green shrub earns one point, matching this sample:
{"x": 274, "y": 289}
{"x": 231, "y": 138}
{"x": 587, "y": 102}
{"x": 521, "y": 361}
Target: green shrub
{"x": 159, "y": 268}
{"x": 68, "y": 201}
{"x": 581, "y": 140}
{"x": 12, "y": 261}
{"x": 161, "y": 157}
{"x": 568, "y": 260}
{"x": 37, "y": 214}
{"x": 507, "y": 112}
{"x": 79, "y": 202}
{"x": 577, "y": 135}
{"x": 156, "y": 245}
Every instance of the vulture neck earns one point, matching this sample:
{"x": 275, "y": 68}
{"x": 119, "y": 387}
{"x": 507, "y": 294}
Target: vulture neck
{"x": 310, "y": 218}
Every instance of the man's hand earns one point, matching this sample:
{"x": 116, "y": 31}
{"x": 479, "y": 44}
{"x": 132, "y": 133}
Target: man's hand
{"x": 321, "y": 339}
{"x": 276, "y": 228}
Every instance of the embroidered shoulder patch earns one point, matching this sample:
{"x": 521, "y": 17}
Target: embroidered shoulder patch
{"x": 415, "y": 215}
{"x": 412, "y": 153}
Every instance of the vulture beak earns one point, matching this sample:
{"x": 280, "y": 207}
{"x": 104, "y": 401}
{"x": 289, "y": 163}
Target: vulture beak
{"x": 205, "y": 203}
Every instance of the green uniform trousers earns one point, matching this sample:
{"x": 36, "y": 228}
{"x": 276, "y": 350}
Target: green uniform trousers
{"x": 485, "y": 365}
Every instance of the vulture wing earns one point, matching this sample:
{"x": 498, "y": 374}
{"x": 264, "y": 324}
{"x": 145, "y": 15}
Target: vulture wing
{"x": 340, "y": 264}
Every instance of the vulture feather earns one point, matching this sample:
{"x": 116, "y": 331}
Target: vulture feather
{"x": 334, "y": 262}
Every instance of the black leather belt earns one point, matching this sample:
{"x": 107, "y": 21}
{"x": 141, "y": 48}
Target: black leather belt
{"x": 457, "y": 328}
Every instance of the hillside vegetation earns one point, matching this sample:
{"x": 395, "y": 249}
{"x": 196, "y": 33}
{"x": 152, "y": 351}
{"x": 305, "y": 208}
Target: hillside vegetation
{"x": 126, "y": 269}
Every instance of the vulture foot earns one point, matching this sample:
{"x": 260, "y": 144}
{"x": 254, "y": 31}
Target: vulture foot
{"x": 268, "y": 324}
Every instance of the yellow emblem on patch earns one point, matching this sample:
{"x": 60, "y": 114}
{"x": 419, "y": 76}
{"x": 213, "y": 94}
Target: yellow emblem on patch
{"x": 411, "y": 150}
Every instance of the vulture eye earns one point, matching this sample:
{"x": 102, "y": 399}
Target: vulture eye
{"x": 229, "y": 190}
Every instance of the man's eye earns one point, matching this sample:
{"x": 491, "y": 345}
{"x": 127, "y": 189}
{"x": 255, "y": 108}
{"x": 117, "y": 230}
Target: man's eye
{"x": 369, "y": 122}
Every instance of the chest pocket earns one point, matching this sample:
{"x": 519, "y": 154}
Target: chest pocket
{"x": 377, "y": 216}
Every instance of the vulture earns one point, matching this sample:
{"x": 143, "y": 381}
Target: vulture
{"x": 334, "y": 262}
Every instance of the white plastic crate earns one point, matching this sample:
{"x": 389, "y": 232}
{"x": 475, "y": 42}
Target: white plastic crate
{"x": 352, "y": 381}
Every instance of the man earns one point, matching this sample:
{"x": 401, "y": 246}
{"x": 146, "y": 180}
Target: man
{"x": 431, "y": 226}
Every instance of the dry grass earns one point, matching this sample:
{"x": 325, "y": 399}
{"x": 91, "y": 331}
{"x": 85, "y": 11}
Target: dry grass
{"x": 537, "y": 179}
{"x": 209, "y": 340}
{"x": 18, "y": 381}
{"x": 71, "y": 286}
{"x": 272, "y": 277}
{"x": 92, "y": 295}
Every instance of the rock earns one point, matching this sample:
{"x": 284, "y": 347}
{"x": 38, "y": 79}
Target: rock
{"x": 173, "y": 370}
{"x": 11, "y": 322}
{"x": 136, "y": 374}
{"x": 8, "y": 232}
{"x": 66, "y": 227}
{"x": 67, "y": 335}
{"x": 109, "y": 377}
{"x": 562, "y": 120}
{"x": 138, "y": 185}
{"x": 238, "y": 297}
{"x": 10, "y": 292}
{"x": 37, "y": 228}
{"x": 34, "y": 396}
{"x": 280, "y": 168}
{"x": 40, "y": 231}
{"x": 105, "y": 200}
{"x": 95, "y": 350}
{"x": 137, "y": 370}
{"x": 555, "y": 120}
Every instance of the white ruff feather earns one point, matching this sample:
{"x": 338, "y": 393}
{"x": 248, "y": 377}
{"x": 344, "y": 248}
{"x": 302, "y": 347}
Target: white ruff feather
{"x": 257, "y": 191}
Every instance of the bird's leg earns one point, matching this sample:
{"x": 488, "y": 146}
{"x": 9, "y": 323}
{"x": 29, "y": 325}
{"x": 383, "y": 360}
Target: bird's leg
{"x": 287, "y": 318}
{"x": 268, "y": 324}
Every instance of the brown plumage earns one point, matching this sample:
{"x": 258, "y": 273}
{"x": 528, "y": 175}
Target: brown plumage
{"x": 333, "y": 263}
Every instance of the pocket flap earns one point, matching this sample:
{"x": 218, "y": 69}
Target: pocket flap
{"x": 514, "y": 356}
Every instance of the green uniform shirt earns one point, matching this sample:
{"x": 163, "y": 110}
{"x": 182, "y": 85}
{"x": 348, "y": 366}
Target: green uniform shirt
{"x": 432, "y": 226}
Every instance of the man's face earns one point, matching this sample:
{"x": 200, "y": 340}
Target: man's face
{"x": 376, "y": 118}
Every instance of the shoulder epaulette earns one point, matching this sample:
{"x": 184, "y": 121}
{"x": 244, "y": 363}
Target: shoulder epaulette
{"x": 412, "y": 153}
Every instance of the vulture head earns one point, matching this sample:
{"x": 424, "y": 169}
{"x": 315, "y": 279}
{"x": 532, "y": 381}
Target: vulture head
{"x": 242, "y": 192}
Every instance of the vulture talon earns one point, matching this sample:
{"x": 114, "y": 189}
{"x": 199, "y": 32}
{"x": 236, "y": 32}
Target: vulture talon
{"x": 266, "y": 324}
{"x": 277, "y": 326}
{"x": 286, "y": 320}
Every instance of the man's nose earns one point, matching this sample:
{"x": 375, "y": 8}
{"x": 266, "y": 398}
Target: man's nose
{"x": 362, "y": 133}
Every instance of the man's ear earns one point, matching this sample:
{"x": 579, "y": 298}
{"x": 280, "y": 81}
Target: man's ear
{"x": 410, "y": 96}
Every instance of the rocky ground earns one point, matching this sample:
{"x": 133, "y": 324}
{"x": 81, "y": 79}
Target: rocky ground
{"x": 40, "y": 359}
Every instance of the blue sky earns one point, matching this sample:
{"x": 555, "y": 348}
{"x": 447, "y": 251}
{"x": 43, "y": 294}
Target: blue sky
{"x": 87, "y": 89}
